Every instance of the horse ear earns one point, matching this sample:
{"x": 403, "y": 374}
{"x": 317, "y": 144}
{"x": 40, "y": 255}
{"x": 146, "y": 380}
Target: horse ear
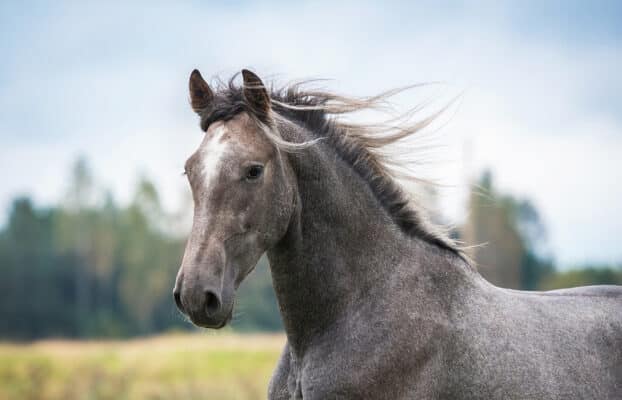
{"x": 201, "y": 96}
{"x": 255, "y": 92}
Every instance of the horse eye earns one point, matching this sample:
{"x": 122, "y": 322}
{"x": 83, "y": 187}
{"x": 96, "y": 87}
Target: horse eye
{"x": 254, "y": 172}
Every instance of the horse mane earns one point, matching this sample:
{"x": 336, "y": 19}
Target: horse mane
{"x": 360, "y": 145}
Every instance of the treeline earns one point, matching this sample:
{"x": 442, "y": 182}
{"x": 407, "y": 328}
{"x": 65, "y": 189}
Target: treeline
{"x": 89, "y": 267}
{"x": 509, "y": 240}
{"x": 92, "y": 268}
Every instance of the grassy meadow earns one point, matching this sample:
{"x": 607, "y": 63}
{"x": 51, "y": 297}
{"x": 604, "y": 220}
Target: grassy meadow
{"x": 177, "y": 366}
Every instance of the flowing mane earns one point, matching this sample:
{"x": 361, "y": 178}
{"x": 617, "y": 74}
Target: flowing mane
{"x": 360, "y": 145}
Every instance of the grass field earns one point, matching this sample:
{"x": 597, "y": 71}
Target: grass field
{"x": 184, "y": 366}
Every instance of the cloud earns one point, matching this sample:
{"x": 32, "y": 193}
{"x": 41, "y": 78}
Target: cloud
{"x": 109, "y": 82}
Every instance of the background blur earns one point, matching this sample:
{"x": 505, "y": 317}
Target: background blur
{"x": 95, "y": 127}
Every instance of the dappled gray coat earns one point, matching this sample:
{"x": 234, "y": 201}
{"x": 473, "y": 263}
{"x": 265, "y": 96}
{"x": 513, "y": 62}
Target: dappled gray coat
{"x": 375, "y": 304}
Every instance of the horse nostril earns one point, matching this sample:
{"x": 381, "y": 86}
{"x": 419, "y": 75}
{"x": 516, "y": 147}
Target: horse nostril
{"x": 212, "y": 303}
{"x": 177, "y": 296}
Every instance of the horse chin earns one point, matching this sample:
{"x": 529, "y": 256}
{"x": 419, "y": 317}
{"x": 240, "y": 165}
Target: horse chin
{"x": 226, "y": 321}
{"x": 207, "y": 322}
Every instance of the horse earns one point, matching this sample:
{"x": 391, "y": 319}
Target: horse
{"x": 375, "y": 303}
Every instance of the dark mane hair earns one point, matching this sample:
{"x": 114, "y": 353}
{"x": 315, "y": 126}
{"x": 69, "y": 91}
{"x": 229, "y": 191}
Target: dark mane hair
{"x": 357, "y": 144}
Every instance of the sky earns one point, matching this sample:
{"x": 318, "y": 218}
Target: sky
{"x": 539, "y": 83}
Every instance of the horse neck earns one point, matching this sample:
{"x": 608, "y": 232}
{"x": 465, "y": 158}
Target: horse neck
{"x": 340, "y": 247}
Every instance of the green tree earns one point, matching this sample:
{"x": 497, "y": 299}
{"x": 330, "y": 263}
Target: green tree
{"x": 510, "y": 237}
{"x": 92, "y": 268}
{"x": 33, "y": 296}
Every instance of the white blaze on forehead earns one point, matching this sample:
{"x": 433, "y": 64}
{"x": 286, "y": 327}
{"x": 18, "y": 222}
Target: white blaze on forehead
{"x": 213, "y": 153}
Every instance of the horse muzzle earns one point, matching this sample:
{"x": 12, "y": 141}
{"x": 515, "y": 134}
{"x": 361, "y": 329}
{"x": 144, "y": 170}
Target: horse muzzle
{"x": 205, "y": 307}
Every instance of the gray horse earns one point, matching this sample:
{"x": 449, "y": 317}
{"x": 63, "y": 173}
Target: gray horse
{"x": 375, "y": 304}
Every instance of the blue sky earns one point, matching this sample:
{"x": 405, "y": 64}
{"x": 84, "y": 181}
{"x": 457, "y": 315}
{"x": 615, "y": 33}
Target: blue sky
{"x": 542, "y": 104}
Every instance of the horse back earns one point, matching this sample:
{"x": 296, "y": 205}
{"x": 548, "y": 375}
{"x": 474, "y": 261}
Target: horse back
{"x": 558, "y": 341}
{"x": 607, "y": 291}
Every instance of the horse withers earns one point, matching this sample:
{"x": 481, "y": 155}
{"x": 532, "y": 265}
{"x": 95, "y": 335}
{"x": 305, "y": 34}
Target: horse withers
{"x": 375, "y": 303}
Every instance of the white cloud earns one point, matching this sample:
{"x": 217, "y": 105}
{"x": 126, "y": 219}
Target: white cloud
{"x": 115, "y": 90}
